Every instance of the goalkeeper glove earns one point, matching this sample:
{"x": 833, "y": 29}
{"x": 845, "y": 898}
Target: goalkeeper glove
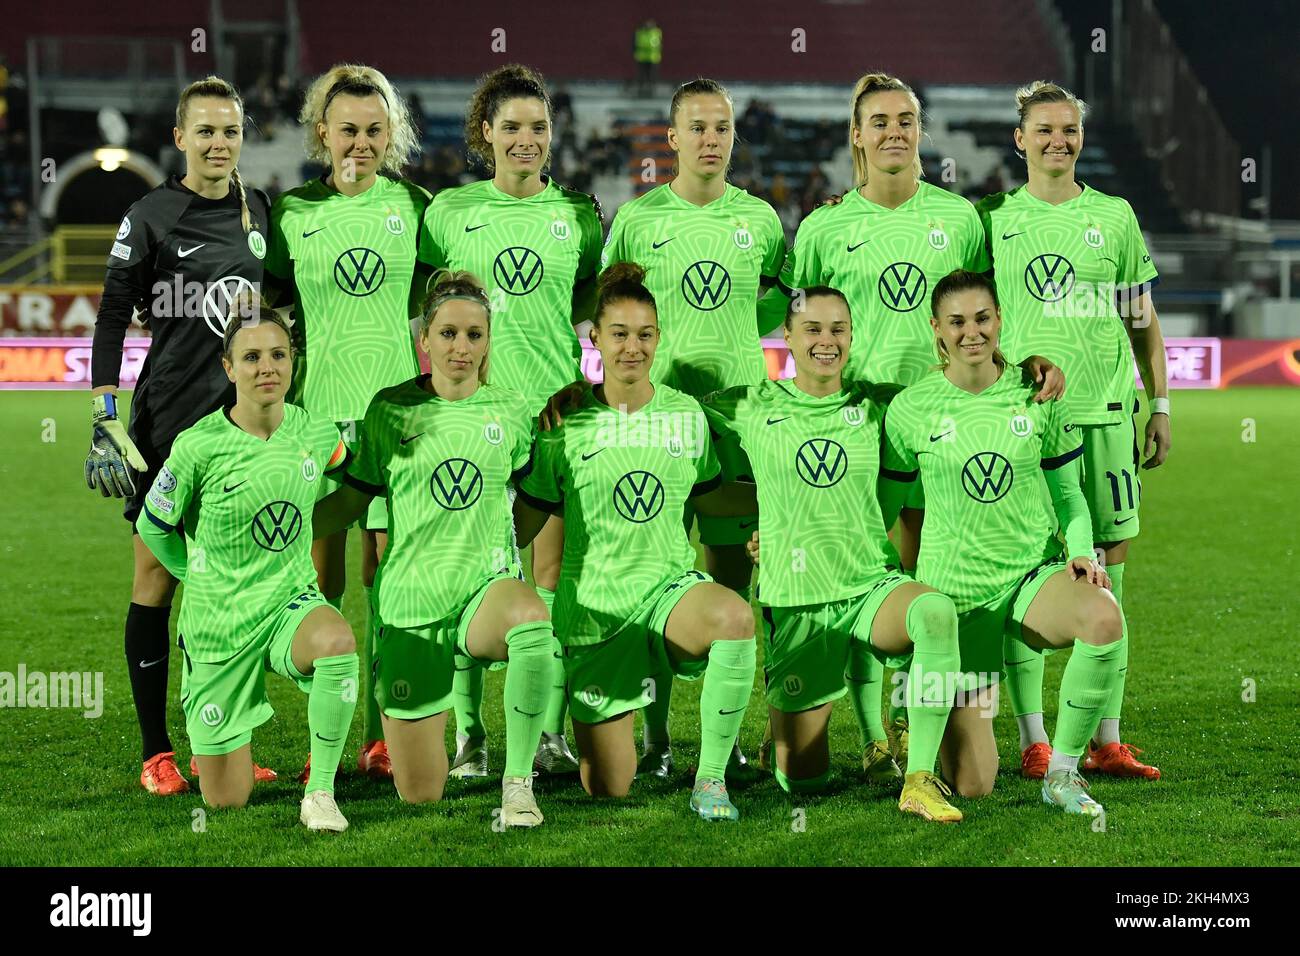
{"x": 113, "y": 460}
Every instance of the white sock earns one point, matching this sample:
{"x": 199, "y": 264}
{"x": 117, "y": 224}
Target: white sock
{"x": 1062, "y": 761}
{"x": 1107, "y": 732}
{"x": 1031, "y": 730}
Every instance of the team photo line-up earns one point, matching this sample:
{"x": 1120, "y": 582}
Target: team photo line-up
{"x": 978, "y": 356}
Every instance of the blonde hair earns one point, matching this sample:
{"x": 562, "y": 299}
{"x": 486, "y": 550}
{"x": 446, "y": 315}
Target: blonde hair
{"x": 216, "y": 87}
{"x": 1041, "y": 91}
{"x": 509, "y": 82}
{"x": 867, "y": 85}
{"x": 448, "y": 285}
{"x": 355, "y": 79}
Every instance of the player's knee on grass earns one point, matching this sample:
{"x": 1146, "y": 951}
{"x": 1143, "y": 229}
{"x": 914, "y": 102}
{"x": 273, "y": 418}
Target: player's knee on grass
{"x": 604, "y": 782}
{"x": 414, "y": 789}
{"x": 1099, "y": 622}
{"x": 231, "y": 795}
{"x": 972, "y": 781}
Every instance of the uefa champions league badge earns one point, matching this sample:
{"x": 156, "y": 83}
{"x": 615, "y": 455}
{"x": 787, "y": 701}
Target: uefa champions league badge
{"x": 309, "y": 468}
{"x": 742, "y": 238}
{"x": 394, "y": 224}
{"x": 166, "y": 481}
{"x": 257, "y": 244}
{"x": 559, "y": 230}
{"x": 937, "y": 238}
{"x": 1022, "y": 426}
{"x": 1093, "y": 237}
{"x": 492, "y": 433}
{"x": 853, "y": 416}
{"x": 124, "y": 230}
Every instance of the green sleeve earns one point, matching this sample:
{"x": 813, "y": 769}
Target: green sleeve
{"x": 167, "y": 546}
{"x": 279, "y": 260}
{"x": 891, "y": 495}
{"x": 432, "y": 249}
{"x": 522, "y": 452}
{"x": 774, "y": 252}
{"x": 368, "y": 471}
{"x": 590, "y": 229}
{"x": 897, "y": 459}
{"x": 708, "y": 472}
{"x": 984, "y": 210}
{"x": 976, "y": 253}
{"x": 615, "y": 249}
{"x": 1071, "y": 508}
{"x": 1135, "y": 266}
{"x": 724, "y": 412}
{"x": 1061, "y": 440}
{"x": 174, "y": 490}
{"x": 541, "y": 486}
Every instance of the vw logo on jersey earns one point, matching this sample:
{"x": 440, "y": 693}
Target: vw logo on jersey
{"x": 821, "y": 462}
{"x": 518, "y": 270}
{"x": 853, "y": 416}
{"x": 124, "y": 230}
{"x": 1093, "y": 237}
{"x": 492, "y": 433}
{"x": 212, "y": 715}
{"x": 592, "y": 695}
{"x": 219, "y": 297}
{"x": 1049, "y": 277}
{"x": 987, "y": 477}
{"x": 395, "y": 225}
{"x": 792, "y": 685}
{"x": 938, "y": 239}
{"x": 639, "y": 496}
{"x": 456, "y": 484}
{"x": 277, "y": 525}
{"x": 706, "y": 284}
{"x": 400, "y": 690}
{"x": 743, "y": 238}
{"x": 309, "y": 469}
{"x": 1022, "y": 426}
{"x": 902, "y": 286}
{"x": 359, "y": 271}
{"x": 257, "y": 244}
{"x": 560, "y": 230}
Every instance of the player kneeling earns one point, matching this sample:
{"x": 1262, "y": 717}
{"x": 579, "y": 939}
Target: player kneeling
{"x": 443, "y": 449}
{"x": 229, "y": 514}
{"x": 621, "y": 468}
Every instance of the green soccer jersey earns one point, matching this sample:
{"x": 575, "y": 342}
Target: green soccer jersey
{"x": 621, "y": 481}
{"x": 988, "y": 521}
{"x": 816, "y": 462}
{"x": 351, "y": 260}
{"x": 446, "y": 469}
{"x": 245, "y": 507}
{"x": 886, "y": 262}
{"x": 1058, "y": 269}
{"x": 529, "y": 254}
{"x": 704, "y": 265}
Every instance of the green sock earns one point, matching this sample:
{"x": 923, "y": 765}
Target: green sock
{"x": 372, "y": 726}
{"x": 1085, "y": 687}
{"x": 1023, "y": 666}
{"x": 1116, "y": 702}
{"x": 931, "y": 686}
{"x": 529, "y": 678}
{"x": 728, "y": 682}
{"x": 811, "y": 785}
{"x": 336, "y": 603}
{"x": 654, "y": 732}
{"x": 557, "y": 704}
{"x": 864, "y": 677}
{"x": 467, "y": 697}
{"x": 329, "y": 714}
{"x": 898, "y": 695}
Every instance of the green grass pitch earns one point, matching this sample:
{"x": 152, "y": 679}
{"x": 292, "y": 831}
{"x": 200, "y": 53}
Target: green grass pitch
{"x": 1211, "y": 700}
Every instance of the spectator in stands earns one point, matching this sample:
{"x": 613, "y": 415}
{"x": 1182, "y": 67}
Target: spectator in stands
{"x": 648, "y": 48}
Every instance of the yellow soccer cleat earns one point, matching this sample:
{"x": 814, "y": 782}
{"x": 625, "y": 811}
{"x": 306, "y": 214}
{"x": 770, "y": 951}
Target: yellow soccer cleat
{"x": 879, "y": 765}
{"x": 897, "y": 734}
{"x": 926, "y": 795}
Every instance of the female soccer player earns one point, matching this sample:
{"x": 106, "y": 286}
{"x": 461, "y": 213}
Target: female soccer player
{"x": 710, "y": 250}
{"x": 537, "y": 245}
{"x": 831, "y": 579}
{"x": 442, "y": 449}
{"x": 230, "y": 515}
{"x": 343, "y": 248}
{"x": 181, "y": 254}
{"x": 629, "y": 606}
{"x": 1074, "y": 273}
{"x": 979, "y": 442}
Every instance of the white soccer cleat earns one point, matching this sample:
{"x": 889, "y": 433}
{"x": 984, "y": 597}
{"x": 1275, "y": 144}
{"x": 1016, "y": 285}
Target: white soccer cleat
{"x": 320, "y": 812}
{"x": 518, "y": 805}
{"x": 471, "y": 759}
{"x": 554, "y": 757}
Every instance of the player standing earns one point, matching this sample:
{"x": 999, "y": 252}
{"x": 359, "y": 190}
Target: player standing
{"x": 443, "y": 449}
{"x": 194, "y": 240}
{"x": 537, "y": 247}
{"x": 343, "y": 248}
{"x": 709, "y": 250}
{"x": 1074, "y": 274}
{"x": 230, "y": 515}
{"x": 629, "y": 605}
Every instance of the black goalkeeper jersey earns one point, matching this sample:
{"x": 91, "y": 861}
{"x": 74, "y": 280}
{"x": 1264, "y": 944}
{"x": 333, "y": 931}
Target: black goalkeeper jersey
{"x": 180, "y": 259}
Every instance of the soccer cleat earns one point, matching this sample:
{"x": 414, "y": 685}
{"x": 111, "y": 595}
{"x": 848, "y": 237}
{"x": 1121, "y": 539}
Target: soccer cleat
{"x": 879, "y": 765}
{"x": 739, "y": 769}
{"x": 161, "y": 775}
{"x": 1034, "y": 760}
{"x": 927, "y": 796}
{"x": 518, "y": 806}
{"x": 554, "y": 757}
{"x": 897, "y": 734}
{"x": 709, "y": 799}
{"x": 471, "y": 758}
{"x": 656, "y": 762}
{"x": 1069, "y": 791}
{"x": 306, "y": 771}
{"x": 1118, "y": 760}
{"x": 372, "y": 760}
{"x": 260, "y": 774}
{"x": 320, "y": 812}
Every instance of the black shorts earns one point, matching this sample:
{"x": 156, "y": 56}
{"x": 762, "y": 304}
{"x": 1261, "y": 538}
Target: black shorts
{"x": 144, "y": 479}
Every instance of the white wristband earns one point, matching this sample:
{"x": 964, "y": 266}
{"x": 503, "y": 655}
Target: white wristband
{"x": 1159, "y": 406}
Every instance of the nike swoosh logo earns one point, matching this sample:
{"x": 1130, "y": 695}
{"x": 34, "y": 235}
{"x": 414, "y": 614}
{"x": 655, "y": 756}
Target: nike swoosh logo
{"x": 526, "y": 713}
{"x": 940, "y": 437}
{"x": 229, "y": 488}
{"x": 1126, "y": 520}
{"x": 185, "y": 252}
{"x": 409, "y": 438}
{"x": 776, "y": 421}
{"x": 313, "y": 232}
{"x": 592, "y": 455}
{"x": 728, "y": 713}
{"x": 748, "y": 524}
{"x": 858, "y": 246}
{"x": 152, "y": 663}
{"x": 477, "y": 228}
{"x": 329, "y": 740}
{"x": 1016, "y": 663}
{"x": 1012, "y": 235}
{"x": 662, "y": 242}
{"x": 463, "y": 669}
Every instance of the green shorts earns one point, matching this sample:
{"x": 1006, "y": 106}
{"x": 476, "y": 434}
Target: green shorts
{"x": 806, "y": 648}
{"x": 613, "y": 677}
{"x": 414, "y": 667}
{"x": 1111, "y": 481}
{"x": 980, "y": 629}
{"x": 223, "y": 702}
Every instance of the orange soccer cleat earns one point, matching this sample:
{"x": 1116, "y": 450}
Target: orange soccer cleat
{"x": 260, "y": 774}
{"x": 372, "y": 760}
{"x": 161, "y": 775}
{"x": 1118, "y": 760}
{"x": 1034, "y": 760}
